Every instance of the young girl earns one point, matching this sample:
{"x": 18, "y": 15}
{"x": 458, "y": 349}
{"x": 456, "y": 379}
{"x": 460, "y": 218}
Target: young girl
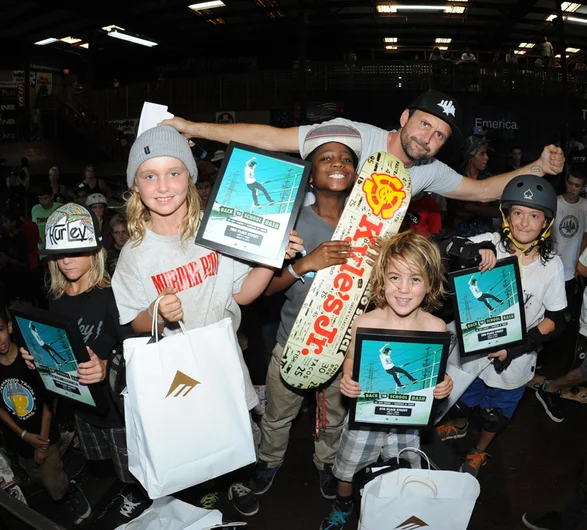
{"x": 528, "y": 206}
{"x": 407, "y": 285}
{"x": 80, "y": 288}
{"x": 196, "y": 284}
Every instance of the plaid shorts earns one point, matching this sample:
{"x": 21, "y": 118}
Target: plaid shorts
{"x": 104, "y": 444}
{"x": 360, "y": 448}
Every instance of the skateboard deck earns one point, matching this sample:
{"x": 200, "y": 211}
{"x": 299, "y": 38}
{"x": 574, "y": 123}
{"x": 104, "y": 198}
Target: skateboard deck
{"x": 8, "y": 481}
{"x": 577, "y": 393}
{"x": 321, "y": 335}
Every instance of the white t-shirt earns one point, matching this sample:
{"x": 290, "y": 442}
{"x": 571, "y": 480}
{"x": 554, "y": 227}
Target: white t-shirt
{"x": 205, "y": 279}
{"x": 249, "y": 172}
{"x": 544, "y": 288}
{"x": 427, "y": 175}
{"x": 475, "y": 291}
{"x": 569, "y": 226}
{"x": 386, "y": 361}
{"x": 583, "y": 319}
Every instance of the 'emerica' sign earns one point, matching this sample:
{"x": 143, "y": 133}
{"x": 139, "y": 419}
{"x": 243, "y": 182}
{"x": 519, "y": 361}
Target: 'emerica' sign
{"x": 496, "y": 124}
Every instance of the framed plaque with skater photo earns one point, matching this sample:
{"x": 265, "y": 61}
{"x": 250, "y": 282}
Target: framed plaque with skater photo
{"x": 489, "y": 308}
{"x": 58, "y": 347}
{"x": 397, "y": 372}
{"x": 254, "y": 204}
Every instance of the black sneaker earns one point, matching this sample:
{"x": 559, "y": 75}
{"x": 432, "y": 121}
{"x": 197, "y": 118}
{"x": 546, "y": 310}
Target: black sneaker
{"x": 243, "y": 499}
{"x": 328, "y": 484}
{"x": 339, "y": 516}
{"x": 552, "y": 403}
{"x": 542, "y": 520}
{"x": 79, "y": 507}
{"x": 263, "y": 478}
{"x": 131, "y": 507}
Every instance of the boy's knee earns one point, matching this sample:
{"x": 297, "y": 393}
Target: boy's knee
{"x": 492, "y": 420}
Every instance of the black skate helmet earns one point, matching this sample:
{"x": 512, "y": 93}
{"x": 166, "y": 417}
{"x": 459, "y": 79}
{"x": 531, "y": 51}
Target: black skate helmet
{"x": 533, "y": 192}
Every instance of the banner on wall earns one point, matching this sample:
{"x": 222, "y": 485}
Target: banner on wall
{"x": 44, "y": 83}
{"x": 8, "y": 111}
{"x": 128, "y": 126}
{"x": 227, "y": 116}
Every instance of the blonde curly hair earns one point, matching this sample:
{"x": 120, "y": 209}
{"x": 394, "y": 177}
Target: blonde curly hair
{"x": 421, "y": 255}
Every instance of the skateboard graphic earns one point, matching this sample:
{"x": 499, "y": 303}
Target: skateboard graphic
{"x": 577, "y": 393}
{"x": 321, "y": 334}
{"x": 8, "y": 481}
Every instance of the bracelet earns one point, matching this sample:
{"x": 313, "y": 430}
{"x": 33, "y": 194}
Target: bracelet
{"x": 151, "y": 315}
{"x": 294, "y": 274}
{"x": 23, "y": 434}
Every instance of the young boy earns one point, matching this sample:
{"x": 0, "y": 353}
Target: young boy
{"x": 529, "y": 207}
{"x": 29, "y": 431}
{"x": 406, "y": 286}
{"x": 41, "y": 212}
{"x": 333, "y": 151}
{"x": 120, "y": 236}
{"x": 570, "y": 229}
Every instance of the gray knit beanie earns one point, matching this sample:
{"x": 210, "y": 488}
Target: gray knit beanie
{"x": 162, "y": 140}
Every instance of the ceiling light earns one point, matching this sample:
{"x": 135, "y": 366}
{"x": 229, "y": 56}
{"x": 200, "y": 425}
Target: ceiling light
{"x": 391, "y": 47}
{"x": 44, "y": 42}
{"x": 396, "y": 8}
{"x": 442, "y": 41}
{"x": 112, "y": 27}
{"x": 443, "y": 48}
{"x": 573, "y": 50}
{"x": 390, "y": 39}
{"x": 579, "y": 20}
{"x": 570, "y": 7}
{"x": 132, "y": 38}
{"x": 519, "y": 52}
{"x": 454, "y": 10}
{"x": 207, "y": 5}
{"x": 70, "y": 40}
{"x": 85, "y": 45}
{"x": 526, "y": 45}
{"x": 558, "y": 56}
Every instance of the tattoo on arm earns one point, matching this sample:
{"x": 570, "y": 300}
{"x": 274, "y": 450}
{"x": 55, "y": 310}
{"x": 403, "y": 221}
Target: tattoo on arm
{"x": 536, "y": 169}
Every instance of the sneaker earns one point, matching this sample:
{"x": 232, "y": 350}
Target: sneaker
{"x": 328, "y": 484}
{"x": 209, "y": 501}
{"x": 448, "y": 431}
{"x": 474, "y": 461}
{"x": 552, "y": 403}
{"x": 339, "y": 516}
{"x": 542, "y": 520}
{"x": 243, "y": 499}
{"x": 132, "y": 506}
{"x": 263, "y": 478}
{"x": 79, "y": 507}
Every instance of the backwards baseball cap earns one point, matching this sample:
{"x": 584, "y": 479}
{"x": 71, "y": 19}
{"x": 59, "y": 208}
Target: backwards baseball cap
{"x": 159, "y": 141}
{"x": 324, "y": 134}
{"x": 71, "y": 229}
{"x": 442, "y": 106}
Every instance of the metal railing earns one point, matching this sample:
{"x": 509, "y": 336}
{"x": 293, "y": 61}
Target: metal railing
{"x": 261, "y": 90}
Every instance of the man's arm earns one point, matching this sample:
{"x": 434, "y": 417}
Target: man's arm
{"x": 263, "y": 136}
{"x": 551, "y": 162}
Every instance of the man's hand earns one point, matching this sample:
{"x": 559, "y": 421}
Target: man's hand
{"x": 551, "y": 162}
{"x": 40, "y": 456}
{"x": 181, "y": 125}
{"x": 92, "y": 371}
{"x": 37, "y": 441}
{"x": 348, "y": 387}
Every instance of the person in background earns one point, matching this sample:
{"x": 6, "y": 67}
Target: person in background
{"x": 59, "y": 192}
{"x": 41, "y": 212}
{"x": 81, "y": 196}
{"x": 93, "y": 184}
{"x": 99, "y": 205}
{"x": 119, "y": 230}
{"x": 424, "y": 215}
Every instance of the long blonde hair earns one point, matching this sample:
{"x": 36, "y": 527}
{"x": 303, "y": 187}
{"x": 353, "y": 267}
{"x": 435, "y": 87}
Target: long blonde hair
{"x": 98, "y": 277}
{"x": 138, "y": 215}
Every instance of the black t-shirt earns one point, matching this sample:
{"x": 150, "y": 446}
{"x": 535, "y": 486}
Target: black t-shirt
{"x": 578, "y": 157}
{"x": 23, "y": 397}
{"x": 96, "y": 313}
{"x": 112, "y": 259}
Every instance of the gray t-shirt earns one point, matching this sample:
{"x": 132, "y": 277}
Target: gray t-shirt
{"x": 427, "y": 175}
{"x": 314, "y": 231}
{"x": 206, "y": 282}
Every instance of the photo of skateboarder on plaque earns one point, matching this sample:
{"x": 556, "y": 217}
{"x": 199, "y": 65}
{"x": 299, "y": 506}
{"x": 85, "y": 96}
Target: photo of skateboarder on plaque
{"x": 489, "y": 310}
{"x": 397, "y": 372}
{"x": 254, "y": 204}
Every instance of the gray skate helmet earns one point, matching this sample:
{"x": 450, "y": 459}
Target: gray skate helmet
{"x": 531, "y": 191}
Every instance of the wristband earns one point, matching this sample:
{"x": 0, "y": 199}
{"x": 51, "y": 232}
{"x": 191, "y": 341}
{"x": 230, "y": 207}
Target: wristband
{"x": 295, "y": 274}
{"x": 151, "y": 315}
{"x": 23, "y": 434}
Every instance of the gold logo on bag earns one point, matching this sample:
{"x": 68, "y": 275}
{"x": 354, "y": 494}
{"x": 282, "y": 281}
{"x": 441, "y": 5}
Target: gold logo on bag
{"x": 184, "y": 383}
{"x": 412, "y": 523}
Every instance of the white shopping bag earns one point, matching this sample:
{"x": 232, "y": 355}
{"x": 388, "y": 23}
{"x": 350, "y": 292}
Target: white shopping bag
{"x": 186, "y": 416}
{"x": 169, "y": 513}
{"x": 419, "y": 498}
